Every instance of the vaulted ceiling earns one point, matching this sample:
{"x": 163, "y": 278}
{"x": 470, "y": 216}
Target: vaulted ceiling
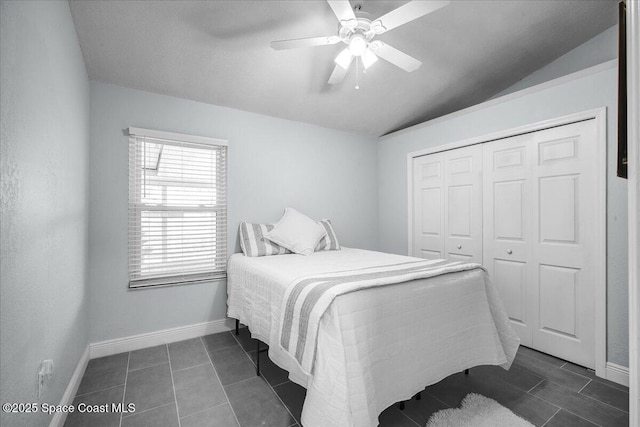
{"x": 219, "y": 52}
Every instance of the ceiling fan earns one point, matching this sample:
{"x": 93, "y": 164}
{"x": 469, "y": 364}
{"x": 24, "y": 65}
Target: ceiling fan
{"x": 358, "y": 32}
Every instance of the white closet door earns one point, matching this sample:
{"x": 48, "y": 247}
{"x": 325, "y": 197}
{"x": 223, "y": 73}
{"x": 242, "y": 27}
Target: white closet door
{"x": 463, "y": 204}
{"x": 539, "y": 244}
{"x": 564, "y": 241}
{"x": 507, "y": 249}
{"x": 428, "y": 206}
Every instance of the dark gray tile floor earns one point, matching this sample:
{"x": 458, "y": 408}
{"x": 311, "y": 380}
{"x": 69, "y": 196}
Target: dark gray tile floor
{"x": 211, "y": 381}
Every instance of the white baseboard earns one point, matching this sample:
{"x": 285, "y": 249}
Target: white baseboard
{"x": 67, "y": 398}
{"x": 166, "y": 336}
{"x": 618, "y": 374}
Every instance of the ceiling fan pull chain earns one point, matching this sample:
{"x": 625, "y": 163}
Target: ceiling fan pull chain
{"x": 357, "y": 74}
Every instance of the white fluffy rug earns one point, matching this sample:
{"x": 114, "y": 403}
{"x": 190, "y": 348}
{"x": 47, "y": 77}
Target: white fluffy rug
{"x": 477, "y": 411}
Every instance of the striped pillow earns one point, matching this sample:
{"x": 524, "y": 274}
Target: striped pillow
{"x": 254, "y": 244}
{"x": 330, "y": 241}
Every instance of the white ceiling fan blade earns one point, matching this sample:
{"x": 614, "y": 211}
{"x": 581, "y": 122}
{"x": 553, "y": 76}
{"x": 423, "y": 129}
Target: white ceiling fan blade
{"x": 342, "y": 9}
{"x": 408, "y": 12}
{"x": 337, "y": 76}
{"x": 307, "y": 42}
{"x": 396, "y": 57}
{"x": 368, "y": 58}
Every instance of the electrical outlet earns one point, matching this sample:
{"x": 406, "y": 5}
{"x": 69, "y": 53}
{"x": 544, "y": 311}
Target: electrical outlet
{"x": 44, "y": 373}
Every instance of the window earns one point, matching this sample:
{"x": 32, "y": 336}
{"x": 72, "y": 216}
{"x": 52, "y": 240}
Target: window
{"x": 177, "y": 208}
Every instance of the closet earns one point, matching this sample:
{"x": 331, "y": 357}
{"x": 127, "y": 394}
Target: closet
{"x": 526, "y": 208}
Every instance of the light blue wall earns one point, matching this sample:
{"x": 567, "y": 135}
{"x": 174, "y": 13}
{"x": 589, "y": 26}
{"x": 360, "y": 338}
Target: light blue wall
{"x": 44, "y": 134}
{"x": 601, "y": 48}
{"x": 596, "y": 90}
{"x": 273, "y": 163}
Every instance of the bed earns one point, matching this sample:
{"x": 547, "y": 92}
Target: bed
{"x": 371, "y": 346}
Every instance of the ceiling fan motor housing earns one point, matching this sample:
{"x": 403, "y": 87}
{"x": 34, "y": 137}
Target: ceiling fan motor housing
{"x": 359, "y": 28}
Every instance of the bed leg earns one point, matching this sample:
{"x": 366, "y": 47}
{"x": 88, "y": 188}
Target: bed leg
{"x": 402, "y": 406}
{"x": 466, "y": 372}
{"x": 237, "y": 326}
{"x": 419, "y": 395}
{"x": 257, "y": 358}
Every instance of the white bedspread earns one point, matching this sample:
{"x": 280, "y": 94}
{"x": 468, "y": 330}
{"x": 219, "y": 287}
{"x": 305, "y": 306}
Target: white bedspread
{"x": 375, "y": 346}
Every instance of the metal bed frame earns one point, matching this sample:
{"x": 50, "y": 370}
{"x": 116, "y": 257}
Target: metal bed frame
{"x": 258, "y": 349}
{"x": 418, "y": 396}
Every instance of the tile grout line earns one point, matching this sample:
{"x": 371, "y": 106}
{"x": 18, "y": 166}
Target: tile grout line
{"x": 577, "y": 392}
{"x": 282, "y": 383}
{"x": 597, "y": 379}
{"x": 150, "y": 366}
{"x": 223, "y": 348}
{"x": 154, "y": 407}
{"x": 436, "y": 398}
{"x": 583, "y": 387}
{"x": 566, "y": 410}
{"x": 124, "y": 391}
{"x": 533, "y": 353}
{"x": 102, "y": 389}
{"x": 537, "y": 384}
{"x": 194, "y": 366}
{"x": 238, "y": 382}
{"x": 554, "y": 414}
{"x": 551, "y": 365}
{"x": 405, "y": 415}
{"x": 600, "y": 380}
{"x": 226, "y": 396}
{"x": 206, "y": 409}
{"x": 264, "y": 379}
{"x": 605, "y": 403}
{"x": 582, "y": 418}
{"x": 586, "y": 396}
{"x": 173, "y": 386}
{"x": 147, "y": 410}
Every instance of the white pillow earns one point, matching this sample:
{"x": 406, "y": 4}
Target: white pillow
{"x": 296, "y": 232}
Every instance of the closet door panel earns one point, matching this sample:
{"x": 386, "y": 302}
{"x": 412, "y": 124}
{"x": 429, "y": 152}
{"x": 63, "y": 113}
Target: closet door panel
{"x": 428, "y": 206}
{"x": 558, "y": 302}
{"x": 463, "y": 204}
{"x": 510, "y": 278}
{"x": 564, "y": 241}
{"x": 507, "y": 253}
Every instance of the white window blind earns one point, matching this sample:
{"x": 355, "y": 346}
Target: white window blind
{"x": 177, "y": 208}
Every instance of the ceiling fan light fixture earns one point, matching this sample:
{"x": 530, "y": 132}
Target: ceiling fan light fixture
{"x": 357, "y": 45}
{"x": 368, "y": 58}
{"x": 344, "y": 58}
{"x": 377, "y": 27}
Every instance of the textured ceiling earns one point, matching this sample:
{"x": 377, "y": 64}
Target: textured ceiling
{"x": 218, "y": 52}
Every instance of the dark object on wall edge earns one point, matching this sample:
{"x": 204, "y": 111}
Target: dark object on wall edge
{"x": 622, "y": 91}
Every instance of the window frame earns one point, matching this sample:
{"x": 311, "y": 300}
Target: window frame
{"x": 136, "y": 279}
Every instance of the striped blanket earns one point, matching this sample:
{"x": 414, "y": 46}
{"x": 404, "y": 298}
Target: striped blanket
{"x": 307, "y": 298}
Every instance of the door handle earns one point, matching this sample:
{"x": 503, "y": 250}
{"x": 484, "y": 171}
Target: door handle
{"x": 459, "y": 246}
{"x": 509, "y": 251}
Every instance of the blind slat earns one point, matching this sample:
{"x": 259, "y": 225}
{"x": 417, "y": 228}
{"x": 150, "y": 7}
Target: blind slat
{"x": 177, "y": 212}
